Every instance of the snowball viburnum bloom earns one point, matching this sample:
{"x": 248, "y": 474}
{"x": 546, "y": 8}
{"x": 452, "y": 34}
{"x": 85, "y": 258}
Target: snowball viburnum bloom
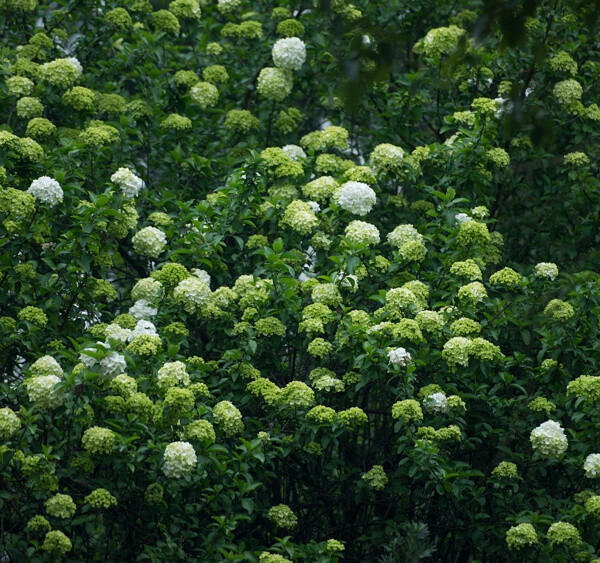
{"x": 46, "y": 190}
{"x": 129, "y": 183}
{"x": 356, "y": 197}
{"x": 399, "y": 357}
{"x": 179, "y": 459}
{"x": 289, "y": 53}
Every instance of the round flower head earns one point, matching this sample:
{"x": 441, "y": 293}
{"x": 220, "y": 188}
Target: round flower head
{"x": 172, "y": 373}
{"x": 228, "y": 418}
{"x": 546, "y": 270}
{"x": 294, "y": 152}
{"x": 46, "y": 190}
{"x": 282, "y": 516}
{"x": 359, "y": 232}
{"x": 42, "y": 393}
{"x": 179, "y": 459}
{"x": 399, "y": 357}
{"x": 97, "y": 440}
{"x": 437, "y": 402}
{"x": 289, "y": 53}
{"x": 142, "y": 327}
{"x": 60, "y": 506}
{"x": 128, "y": 182}
{"x": 142, "y": 310}
{"x": 549, "y": 439}
{"x": 376, "y": 477}
{"x": 192, "y": 293}
{"x": 563, "y": 532}
{"x": 57, "y": 541}
{"x": 112, "y": 364}
{"x": 46, "y": 365}
{"x": 204, "y": 94}
{"x": 356, "y": 197}
{"x": 9, "y": 423}
{"x": 523, "y": 535}
{"x": 149, "y": 241}
{"x": 274, "y": 83}
{"x": 74, "y": 62}
{"x": 386, "y": 157}
{"x": 591, "y": 465}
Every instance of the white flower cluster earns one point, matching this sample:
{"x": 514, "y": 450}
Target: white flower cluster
{"x": 356, "y": 197}
{"x": 294, "y": 152}
{"x": 591, "y": 465}
{"x": 179, "y": 459}
{"x": 149, "y": 241}
{"x": 193, "y": 293}
{"x": 46, "y": 190}
{"x": 289, "y": 53}
{"x": 437, "y": 402}
{"x": 142, "y": 327}
{"x": 547, "y": 270}
{"x": 142, "y": 310}
{"x": 462, "y": 218}
{"x": 399, "y": 357}
{"x": 386, "y": 157}
{"x": 549, "y": 439}
{"x": 202, "y": 275}
{"x": 129, "y": 183}
{"x": 113, "y": 364}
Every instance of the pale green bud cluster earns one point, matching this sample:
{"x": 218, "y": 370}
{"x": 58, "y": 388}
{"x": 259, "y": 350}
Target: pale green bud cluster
{"x": 376, "y": 477}
{"x": 439, "y": 41}
{"x": 321, "y": 189}
{"x": 563, "y": 62}
{"x": 592, "y": 505}
{"x": 275, "y": 83}
{"x": 465, "y": 327}
{"x": 185, "y": 9}
{"x": 505, "y": 470}
{"x": 568, "y": 92}
{"x": 472, "y": 293}
{"x": 281, "y": 164}
{"x": 19, "y": 86}
{"x": 352, "y": 417}
{"x": 408, "y": 410}
{"x": 564, "y": 533}
{"x": 282, "y": 516}
{"x": 521, "y": 536}
{"x": 97, "y": 440}
{"x": 40, "y": 128}
{"x": 241, "y": 121}
{"x": 29, "y": 107}
{"x": 201, "y": 430}
{"x": 60, "y": 506}
{"x": 119, "y": 18}
{"x": 57, "y": 541}
{"x": 559, "y": 310}
{"x": 10, "y": 423}
{"x": 100, "y": 499}
{"x": 145, "y": 345}
{"x": 498, "y": 157}
{"x": 506, "y": 277}
{"x": 359, "y": 232}
{"x": 204, "y": 94}
{"x": 60, "y": 72}
{"x": 299, "y": 216}
{"x": 38, "y": 524}
{"x": 386, "y": 158}
{"x": 321, "y": 415}
{"x": 319, "y": 348}
{"x": 546, "y": 270}
{"x": 228, "y": 418}
{"x": 472, "y": 233}
{"x": 148, "y": 289}
{"x": 541, "y": 404}
{"x": 176, "y": 122}
{"x": 430, "y": 321}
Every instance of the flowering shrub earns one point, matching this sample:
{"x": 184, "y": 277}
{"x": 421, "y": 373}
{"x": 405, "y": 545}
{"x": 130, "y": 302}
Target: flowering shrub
{"x": 248, "y": 315}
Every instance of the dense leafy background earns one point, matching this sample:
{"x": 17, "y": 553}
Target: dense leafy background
{"x": 475, "y": 109}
